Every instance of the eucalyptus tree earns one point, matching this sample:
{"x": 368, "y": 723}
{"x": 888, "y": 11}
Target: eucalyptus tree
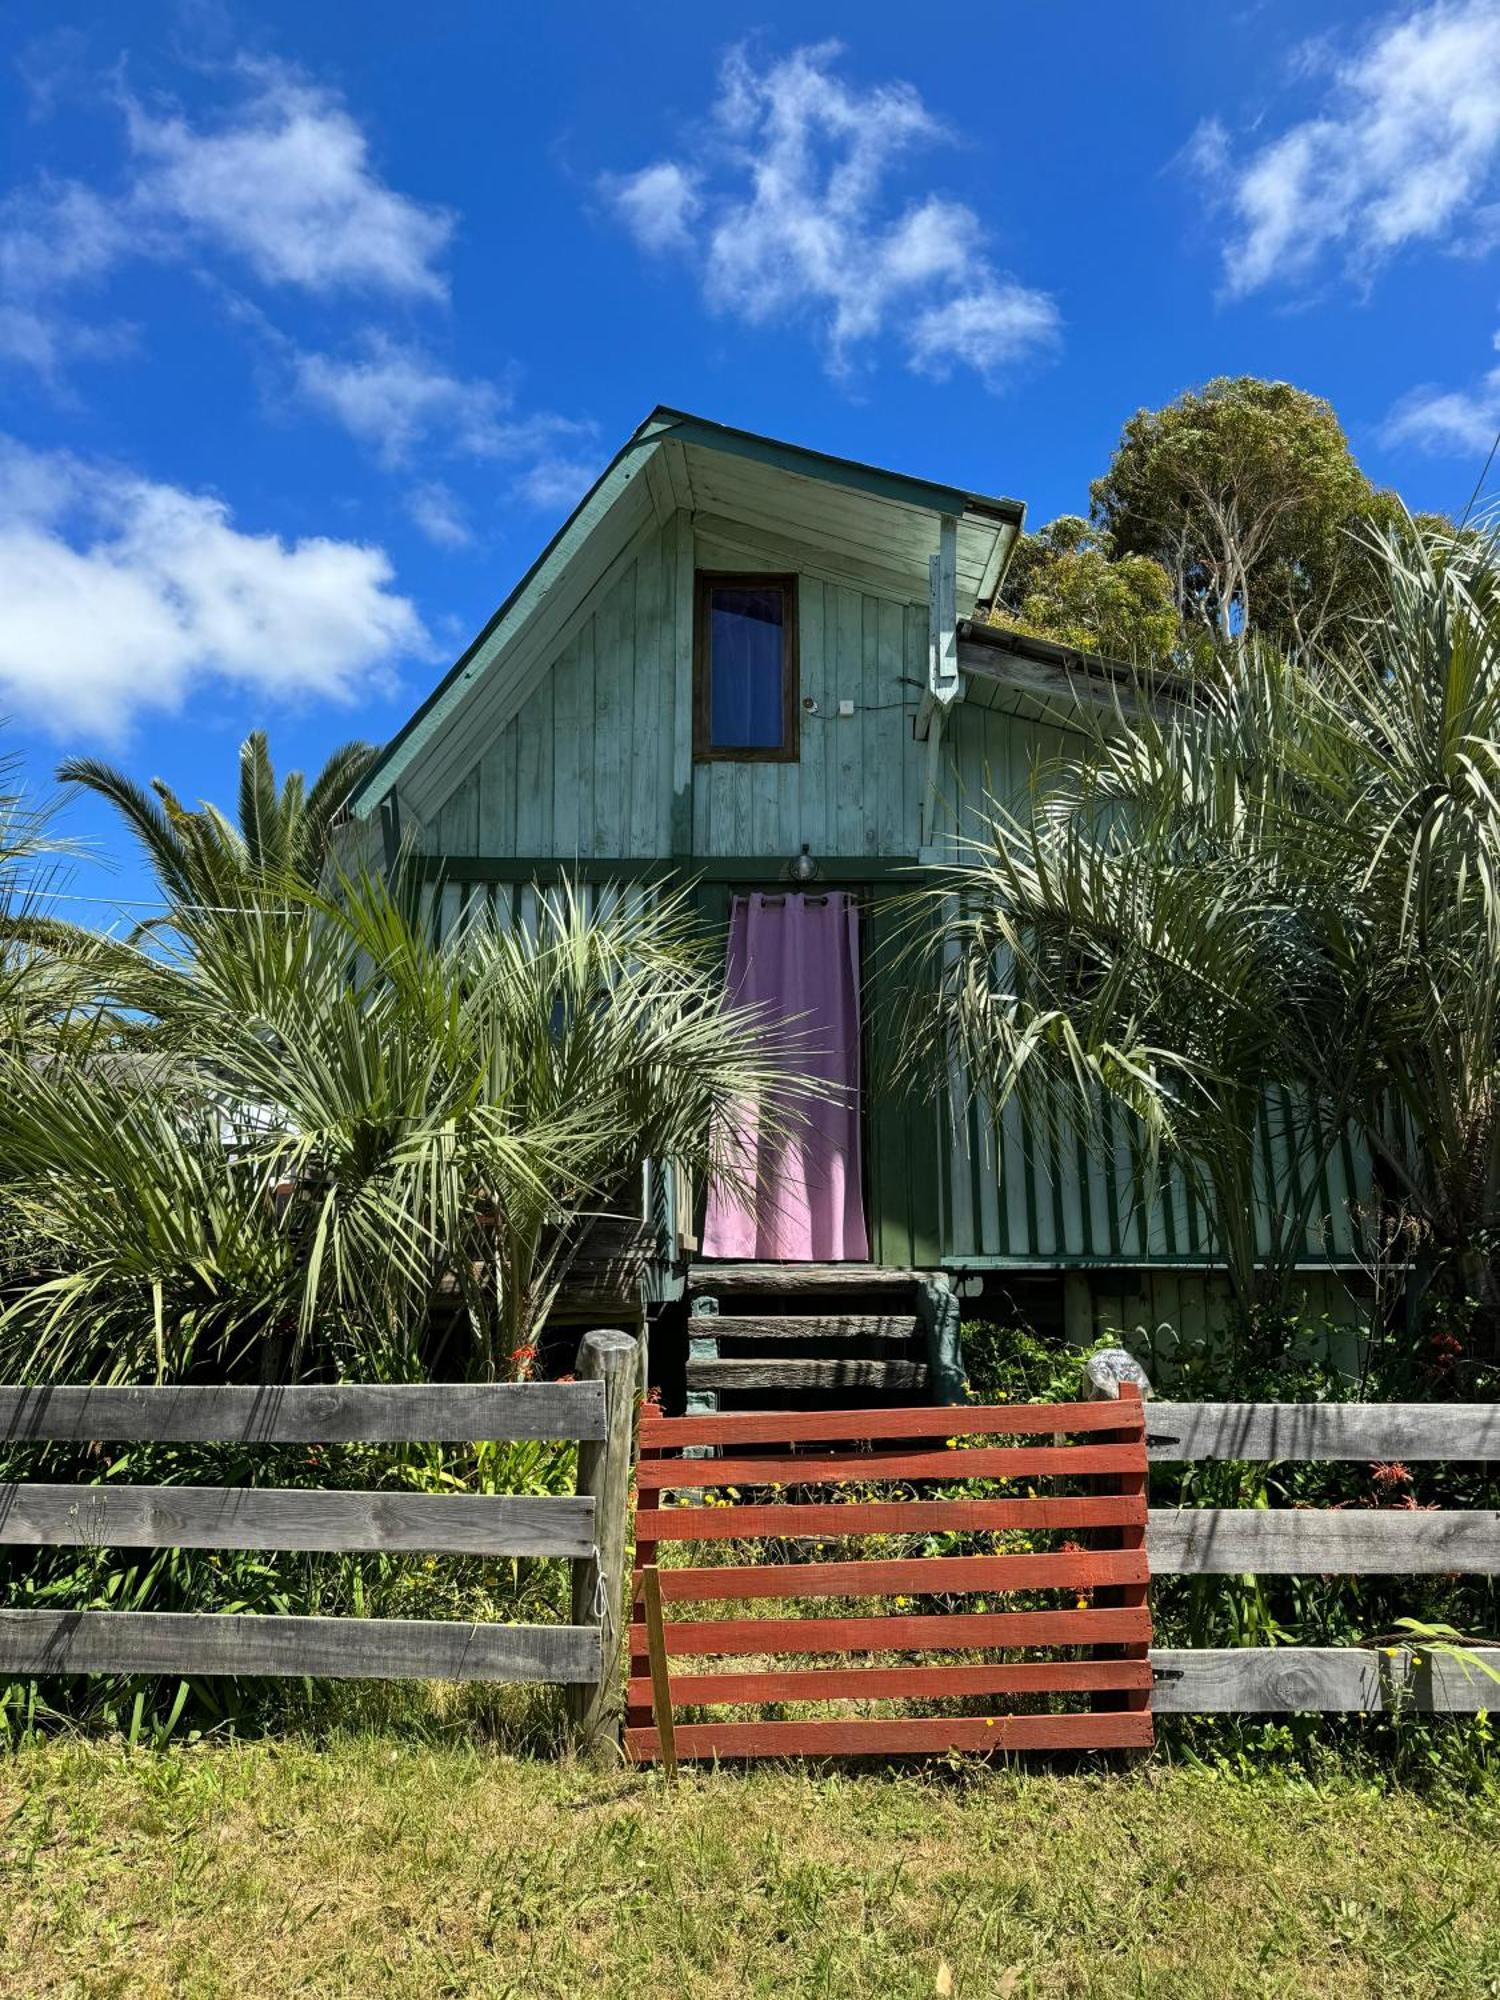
{"x": 345, "y": 1123}
{"x": 1286, "y": 877}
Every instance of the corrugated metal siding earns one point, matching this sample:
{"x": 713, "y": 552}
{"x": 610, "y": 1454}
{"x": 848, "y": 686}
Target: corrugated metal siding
{"x": 1037, "y": 1197}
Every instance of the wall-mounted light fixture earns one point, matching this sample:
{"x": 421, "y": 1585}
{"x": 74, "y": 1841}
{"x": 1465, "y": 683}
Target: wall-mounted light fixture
{"x": 803, "y": 867}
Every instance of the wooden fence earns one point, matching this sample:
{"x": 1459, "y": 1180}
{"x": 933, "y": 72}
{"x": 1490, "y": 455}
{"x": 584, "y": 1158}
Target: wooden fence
{"x": 1220, "y": 1541}
{"x": 587, "y": 1527}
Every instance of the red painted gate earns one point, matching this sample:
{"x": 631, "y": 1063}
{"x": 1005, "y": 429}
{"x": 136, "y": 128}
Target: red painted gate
{"x": 1079, "y": 1666}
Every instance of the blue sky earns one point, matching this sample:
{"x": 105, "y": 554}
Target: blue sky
{"x": 315, "y": 321}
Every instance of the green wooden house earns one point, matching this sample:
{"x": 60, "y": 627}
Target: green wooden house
{"x": 768, "y": 670}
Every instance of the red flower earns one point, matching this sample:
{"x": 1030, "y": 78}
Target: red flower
{"x": 523, "y": 1354}
{"x": 1387, "y": 1476}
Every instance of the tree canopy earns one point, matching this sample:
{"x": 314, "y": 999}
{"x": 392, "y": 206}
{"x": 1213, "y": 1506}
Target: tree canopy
{"x": 1065, "y": 583}
{"x": 1248, "y": 496}
{"x": 1236, "y": 509}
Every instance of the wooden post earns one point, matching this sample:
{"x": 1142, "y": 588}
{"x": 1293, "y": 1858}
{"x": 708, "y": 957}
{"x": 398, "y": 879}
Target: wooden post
{"x": 1115, "y": 1374}
{"x": 610, "y": 1357}
{"x": 661, "y": 1679}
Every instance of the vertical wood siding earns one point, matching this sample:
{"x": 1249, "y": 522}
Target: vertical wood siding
{"x": 585, "y": 766}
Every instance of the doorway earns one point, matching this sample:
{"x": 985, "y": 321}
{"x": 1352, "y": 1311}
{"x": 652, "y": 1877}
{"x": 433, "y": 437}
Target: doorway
{"x": 796, "y": 1191}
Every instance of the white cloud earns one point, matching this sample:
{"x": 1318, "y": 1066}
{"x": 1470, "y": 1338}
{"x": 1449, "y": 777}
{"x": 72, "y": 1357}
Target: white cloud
{"x": 786, "y": 204}
{"x": 287, "y": 184}
{"x": 1403, "y": 149}
{"x": 1457, "y": 422}
{"x": 436, "y": 513}
{"x": 558, "y": 481}
{"x": 123, "y": 595}
{"x": 282, "y": 183}
{"x": 982, "y": 329}
{"x": 657, "y": 205}
{"x": 397, "y": 401}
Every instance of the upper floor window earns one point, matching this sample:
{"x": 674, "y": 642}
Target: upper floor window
{"x": 745, "y": 667}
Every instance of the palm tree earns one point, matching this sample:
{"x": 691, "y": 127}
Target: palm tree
{"x": 345, "y": 1123}
{"x": 200, "y": 856}
{"x": 1287, "y": 878}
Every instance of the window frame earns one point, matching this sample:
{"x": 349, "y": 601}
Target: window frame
{"x": 788, "y": 751}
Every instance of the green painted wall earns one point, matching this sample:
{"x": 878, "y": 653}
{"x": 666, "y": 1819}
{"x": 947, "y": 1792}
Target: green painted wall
{"x": 856, "y": 788}
{"x": 585, "y": 769}
{"x": 586, "y": 765}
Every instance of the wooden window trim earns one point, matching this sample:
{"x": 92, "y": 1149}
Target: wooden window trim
{"x": 788, "y": 752}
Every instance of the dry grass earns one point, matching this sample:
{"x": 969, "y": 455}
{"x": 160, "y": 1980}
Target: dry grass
{"x": 371, "y": 1867}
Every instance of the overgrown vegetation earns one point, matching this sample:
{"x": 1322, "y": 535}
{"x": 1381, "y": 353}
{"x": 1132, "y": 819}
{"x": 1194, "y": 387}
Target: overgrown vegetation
{"x": 1280, "y": 887}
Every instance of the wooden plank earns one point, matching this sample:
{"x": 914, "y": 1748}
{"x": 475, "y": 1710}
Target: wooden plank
{"x": 833, "y": 1518}
{"x": 774, "y": 1279}
{"x": 1228, "y": 1541}
{"x": 1010, "y": 1677}
{"x": 609, "y": 1360}
{"x": 828, "y": 1327}
{"x": 914, "y": 1575}
{"x": 1269, "y": 1680}
{"x": 901, "y": 1736}
{"x": 977, "y": 1462}
{"x": 332, "y": 1413}
{"x": 660, "y": 1682}
{"x": 952, "y": 1631}
{"x": 1460, "y": 1433}
{"x": 175, "y": 1642}
{"x": 791, "y": 1281}
{"x": 846, "y": 1371}
{"x": 925, "y": 1421}
{"x": 219, "y": 1517}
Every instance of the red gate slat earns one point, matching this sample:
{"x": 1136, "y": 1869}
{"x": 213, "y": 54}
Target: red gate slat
{"x": 974, "y": 1462}
{"x": 835, "y": 1518}
{"x": 950, "y": 1631}
{"x": 901, "y": 1683}
{"x": 895, "y": 1736}
{"x": 916, "y": 1575}
{"x": 928, "y": 1421}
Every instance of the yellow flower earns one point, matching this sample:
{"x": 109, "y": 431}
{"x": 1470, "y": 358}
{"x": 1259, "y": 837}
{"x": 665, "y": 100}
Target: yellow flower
{"x": 1083, "y": 1604}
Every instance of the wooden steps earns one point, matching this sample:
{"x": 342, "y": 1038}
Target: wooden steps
{"x": 844, "y": 1373}
{"x": 788, "y": 1336}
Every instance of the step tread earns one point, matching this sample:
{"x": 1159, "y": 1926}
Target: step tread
{"x": 830, "y": 1372}
{"x": 795, "y": 1278}
{"x": 832, "y": 1327}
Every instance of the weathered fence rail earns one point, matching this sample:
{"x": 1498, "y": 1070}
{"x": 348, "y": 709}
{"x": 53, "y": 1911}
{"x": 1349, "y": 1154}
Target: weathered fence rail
{"x": 1220, "y": 1541}
{"x": 587, "y": 1528}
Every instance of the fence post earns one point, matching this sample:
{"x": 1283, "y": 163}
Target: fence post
{"x": 1117, "y": 1376}
{"x": 604, "y": 1466}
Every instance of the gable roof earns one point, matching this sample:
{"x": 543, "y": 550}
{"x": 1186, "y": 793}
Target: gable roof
{"x": 879, "y": 523}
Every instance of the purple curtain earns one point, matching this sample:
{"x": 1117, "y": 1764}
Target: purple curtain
{"x": 798, "y": 957}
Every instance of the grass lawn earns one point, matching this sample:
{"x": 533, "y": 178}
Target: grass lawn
{"x": 373, "y": 1867}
